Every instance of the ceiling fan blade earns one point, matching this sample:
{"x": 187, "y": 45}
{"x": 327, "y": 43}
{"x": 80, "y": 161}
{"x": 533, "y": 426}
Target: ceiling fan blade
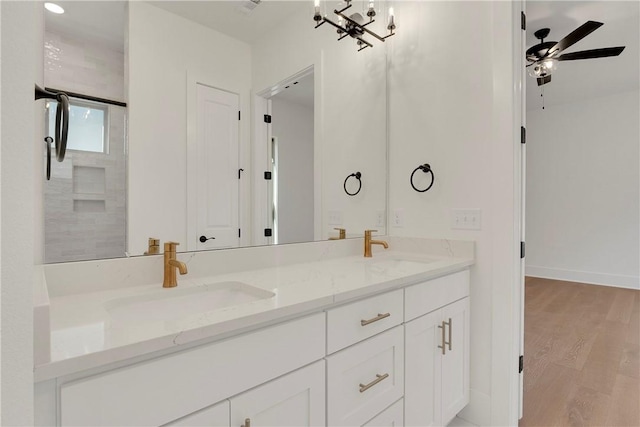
{"x": 544, "y": 80}
{"x": 593, "y": 53}
{"x": 575, "y": 36}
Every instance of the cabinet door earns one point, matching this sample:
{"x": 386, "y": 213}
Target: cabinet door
{"x": 455, "y": 362}
{"x": 393, "y": 416}
{"x": 296, "y": 399}
{"x": 213, "y": 416}
{"x": 423, "y": 371}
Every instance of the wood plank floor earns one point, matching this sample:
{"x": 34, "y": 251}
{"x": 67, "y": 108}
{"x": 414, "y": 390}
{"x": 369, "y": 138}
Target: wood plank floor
{"x": 581, "y": 355}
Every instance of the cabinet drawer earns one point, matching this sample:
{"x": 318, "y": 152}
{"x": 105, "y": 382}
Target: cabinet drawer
{"x": 365, "y": 378}
{"x": 170, "y": 387}
{"x": 354, "y": 322}
{"x": 393, "y": 416}
{"x": 428, "y": 296}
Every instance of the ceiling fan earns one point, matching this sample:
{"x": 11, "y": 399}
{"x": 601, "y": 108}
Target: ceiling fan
{"x": 544, "y": 56}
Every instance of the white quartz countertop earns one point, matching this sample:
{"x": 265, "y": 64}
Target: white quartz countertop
{"x": 90, "y": 329}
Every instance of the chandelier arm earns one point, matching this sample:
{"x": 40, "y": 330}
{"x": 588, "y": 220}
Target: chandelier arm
{"x": 364, "y": 41}
{"x": 366, "y": 30}
{"x": 343, "y": 9}
{"x": 325, "y": 19}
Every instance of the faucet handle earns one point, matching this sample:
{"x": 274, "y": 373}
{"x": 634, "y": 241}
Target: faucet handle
{"x": 342, "y": 232}
{"x": 368, "y": 232}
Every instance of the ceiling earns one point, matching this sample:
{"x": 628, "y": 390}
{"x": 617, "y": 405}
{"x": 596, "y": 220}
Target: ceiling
{"x": 230, "y": 18}
{"x": 97, "y": 21}
{"x": 300, "y": 93}
{"x": 591, "y": 78}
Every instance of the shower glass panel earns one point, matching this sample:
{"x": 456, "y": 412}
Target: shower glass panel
{"x": 85, "y": 200}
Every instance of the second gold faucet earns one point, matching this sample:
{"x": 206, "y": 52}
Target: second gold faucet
{"x": 170, "y": 265}
{"x": 368, "y": 242}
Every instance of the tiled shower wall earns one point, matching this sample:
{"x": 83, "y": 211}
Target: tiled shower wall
{"x": 85, "y": 200}
{"x": 82, "y": 66}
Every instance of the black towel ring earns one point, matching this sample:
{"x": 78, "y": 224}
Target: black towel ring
{"x": 48, "y": 140}
{"x": 62, "y": 118}
{"x": 426, "y": 169}
{"x": 357, "y": 175}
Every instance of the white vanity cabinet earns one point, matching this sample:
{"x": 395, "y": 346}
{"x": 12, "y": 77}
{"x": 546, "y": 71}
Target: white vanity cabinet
{"x": 296, "y": 399}
{"x": 213, "y": 416}
{"x": 437, "y": 356}
{"x": 167, "y": 388}
{"x": 396, "y": 358}
{"x": 393, "y": 416}
{"x": 365, "y": 378}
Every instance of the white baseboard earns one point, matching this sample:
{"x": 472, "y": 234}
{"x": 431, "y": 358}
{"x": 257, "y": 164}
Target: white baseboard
{"x": 478, "y": 411}
{"x": 615, "y": 280}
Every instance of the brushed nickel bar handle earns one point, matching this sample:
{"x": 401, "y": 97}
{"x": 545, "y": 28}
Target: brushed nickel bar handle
{"x": 380, "y": 316}
{"x": 441, "y": 326}
{"x": 247, "y": 423}
{"x": 365, "y": 387}
{"x": 450, "y": 323}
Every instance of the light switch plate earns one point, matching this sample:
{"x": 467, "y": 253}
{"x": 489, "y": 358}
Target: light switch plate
{"x": 466, "y": 219}
{"x": 335, "y": 217}
{"x": 380, "y": 219}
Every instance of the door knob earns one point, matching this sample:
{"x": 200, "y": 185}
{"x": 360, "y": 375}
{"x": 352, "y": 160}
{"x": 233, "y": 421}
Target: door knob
{"x": 204, "y": 239}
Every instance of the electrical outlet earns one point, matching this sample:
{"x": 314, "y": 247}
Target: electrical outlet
{"x": 335, "y": 217}
{"x": 466, "y": 219}
{"x": 380, "y": 219}
{"x": 398, "y": 218}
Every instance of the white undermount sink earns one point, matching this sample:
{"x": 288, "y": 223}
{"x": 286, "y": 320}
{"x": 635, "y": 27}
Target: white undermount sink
{"x": 175, "y": 303}
{"x": 393, "y": 263}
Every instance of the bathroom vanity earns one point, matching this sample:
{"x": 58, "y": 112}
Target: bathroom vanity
{"x": 326, "y": 338}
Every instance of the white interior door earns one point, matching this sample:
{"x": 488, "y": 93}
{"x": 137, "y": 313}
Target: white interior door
{"x": 217, "y": 182}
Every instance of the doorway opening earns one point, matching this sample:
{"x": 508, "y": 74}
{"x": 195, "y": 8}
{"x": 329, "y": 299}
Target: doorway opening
{"x": 285, "y": 150}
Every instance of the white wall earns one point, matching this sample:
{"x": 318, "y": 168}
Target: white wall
{"x": 22, "y": 27}
{"x": 349, "y": 109}
{"x": 293, "y": 127}
{"x": 583, "y": 189}
{"x": 450, "y": 105}
{"x": 163, "y": 48}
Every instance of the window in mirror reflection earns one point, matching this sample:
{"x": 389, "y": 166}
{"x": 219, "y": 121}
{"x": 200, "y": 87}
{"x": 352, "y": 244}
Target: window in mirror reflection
{"x": 89, "y": 122}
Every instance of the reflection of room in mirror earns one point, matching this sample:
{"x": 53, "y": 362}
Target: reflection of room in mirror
{"x": 242, "y": 52}
{"x": 293, "y": 166}
{"x": 85, "y": 201}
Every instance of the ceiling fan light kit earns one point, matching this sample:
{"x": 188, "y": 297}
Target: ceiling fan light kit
{"x": 544, "y": 56}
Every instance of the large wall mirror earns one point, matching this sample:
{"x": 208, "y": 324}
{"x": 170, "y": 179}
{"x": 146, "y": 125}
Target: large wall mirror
{"x": 235, "y": 123}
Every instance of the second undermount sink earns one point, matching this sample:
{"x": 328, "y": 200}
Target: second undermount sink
{"x": 392, "y": 263}
{"x": 175, "y": 303}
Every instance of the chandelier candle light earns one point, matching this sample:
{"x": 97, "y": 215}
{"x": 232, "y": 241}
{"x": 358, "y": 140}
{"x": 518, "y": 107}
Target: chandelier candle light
{"x": 355, "y": 24}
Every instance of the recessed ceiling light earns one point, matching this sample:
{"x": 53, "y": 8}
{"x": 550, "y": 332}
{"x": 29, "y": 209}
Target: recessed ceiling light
{"x": 52, "y": 7}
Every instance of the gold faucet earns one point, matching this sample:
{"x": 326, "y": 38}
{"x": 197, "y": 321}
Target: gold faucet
{"x": 170, "y": 265}
{"x": 342, "y": 235}
{"x": 368, "y": 242}
{"x": 154, "y": 246}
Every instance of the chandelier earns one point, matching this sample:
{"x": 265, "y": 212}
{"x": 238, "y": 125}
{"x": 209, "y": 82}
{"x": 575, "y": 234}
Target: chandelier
{"x": 355, "y": 25}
